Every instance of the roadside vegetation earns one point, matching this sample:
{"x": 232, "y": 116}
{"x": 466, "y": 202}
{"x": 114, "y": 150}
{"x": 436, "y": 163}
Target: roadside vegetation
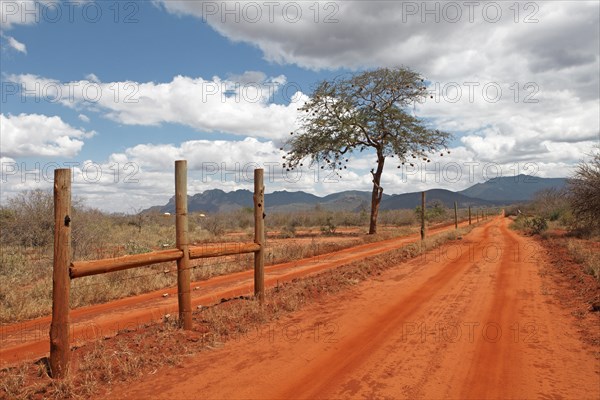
{"x": 569, "y": 217}
{"x": 96, "y": 366}
{"x": 26, "y": 242}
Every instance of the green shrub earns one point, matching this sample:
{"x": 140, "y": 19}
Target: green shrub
{"x": 329, "y": 227}
{"x": 531, "y": 225}
{"x": 537, "y": 225}
{"x": 434, "y": 212}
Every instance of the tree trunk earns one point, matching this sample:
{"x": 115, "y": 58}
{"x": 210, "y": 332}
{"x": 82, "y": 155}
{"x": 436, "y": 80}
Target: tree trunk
{"x": 377, "y": 193}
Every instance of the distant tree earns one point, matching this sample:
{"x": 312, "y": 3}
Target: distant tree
{"x": 550, "y": 203}
{"x": 138, "y": 218}
{"x": 30, "y": 219}
{"x": 584, "y": 192}
{"x": 434, "y": 210}
{"x": 364, "y": 111}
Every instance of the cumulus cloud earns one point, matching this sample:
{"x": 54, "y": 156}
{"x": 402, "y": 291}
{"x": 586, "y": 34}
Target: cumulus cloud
{"x": 15, "y": 44}
{"x": 142, "y": 176}
{"x": 12, "y": 13}
{"x": 543, "y": 56}
{"x": 430, "y": 37}
{"x": 31, "y": 135}
{"x": 239, "y": 105}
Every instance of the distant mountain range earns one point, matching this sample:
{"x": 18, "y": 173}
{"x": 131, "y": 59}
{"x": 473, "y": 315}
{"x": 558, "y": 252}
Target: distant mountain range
{"x": 496, "y": 191}
{"x": 512, "y": 189}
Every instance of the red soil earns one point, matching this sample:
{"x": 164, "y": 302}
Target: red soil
{"x": 469, "y": 321}
{"x": 29, "y": 340}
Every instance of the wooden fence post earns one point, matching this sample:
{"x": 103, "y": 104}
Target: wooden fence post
{"x": 469, "y": 215}
{"x": 477, "y": 215}
{"x": 259, "y": 235}
{"x": 422, "y": 215}
{"x": 60, "y": 346}
{"x": 455, "y": 216}
{"x": 182, "y": 241}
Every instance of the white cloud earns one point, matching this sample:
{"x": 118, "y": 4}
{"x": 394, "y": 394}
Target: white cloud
{"x": 26, "y": 135}
{"x": 84, "y": 118}
{"x": 541, "y": 51}
{"x": 241, "y": 105}
{"x": 438, "y": 39}
{"x": 15, "y": 44}
{"x": 92, "y": 78}
{"x": 142, "y": 176}
{"x": 21, "y": 12}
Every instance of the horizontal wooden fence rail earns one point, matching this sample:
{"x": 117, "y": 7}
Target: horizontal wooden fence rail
{"x": 80, "y": 269}
{"x": 222, "y": 249}
{"x": 64, "y": 269}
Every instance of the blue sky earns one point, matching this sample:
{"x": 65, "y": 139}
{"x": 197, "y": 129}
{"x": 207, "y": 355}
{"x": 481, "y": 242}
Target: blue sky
{"x": 169, "y": 60}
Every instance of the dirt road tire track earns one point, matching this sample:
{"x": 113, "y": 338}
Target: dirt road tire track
{"x": 395, "y": 337}
{"x": 29, "y": 340}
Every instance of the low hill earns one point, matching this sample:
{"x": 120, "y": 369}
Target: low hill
{"x": 497, "y": 191}
{"x": 412, "y": 200}
{"x": 510, "y": 189}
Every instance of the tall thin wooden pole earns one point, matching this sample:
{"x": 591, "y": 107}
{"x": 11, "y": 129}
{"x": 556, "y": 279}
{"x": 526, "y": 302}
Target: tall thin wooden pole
{"x": 182, "y": 242}
{"x": 60, "y": 348}
{"x": 422, "y": 215}
{"x": 477, "y": 215}
{"x": 259, "y": 235}
{"x": 455, "y": 216}
{"x": 469, "y": 215}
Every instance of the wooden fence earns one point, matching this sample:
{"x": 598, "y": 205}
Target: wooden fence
{"x": 64, "y": 269}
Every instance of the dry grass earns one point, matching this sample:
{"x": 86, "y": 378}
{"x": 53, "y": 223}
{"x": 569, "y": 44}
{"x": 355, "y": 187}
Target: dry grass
{"x": 97, "y": 235}
{"x": 130, "y": 354}
{"x": 13, "y": 381}
{"x": 587, "y": 254}
{"x": 30, "y": 269}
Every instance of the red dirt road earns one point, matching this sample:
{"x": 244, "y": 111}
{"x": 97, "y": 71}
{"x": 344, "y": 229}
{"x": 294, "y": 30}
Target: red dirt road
{"x": 29, "y": 340}
{"x": 469, "y": 321}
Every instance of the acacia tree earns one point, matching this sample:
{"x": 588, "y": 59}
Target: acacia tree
{"x": 365, "y": 111}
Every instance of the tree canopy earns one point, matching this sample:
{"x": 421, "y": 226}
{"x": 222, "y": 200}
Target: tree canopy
{"x": 367, "y": 110}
